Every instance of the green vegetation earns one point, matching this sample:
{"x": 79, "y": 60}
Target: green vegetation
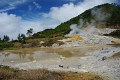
{"x": 7, "y": 73}
{"x": 50, "y": 36}
{"x": 6, "y": 38}
{"x": 29, "y": 32}
{"x": 5, "y": 45}
{"x": 115, "y": 33}
{"x": 64, "y": 28}
{"x": 21, "y": 37}
{"x": 114, "y": 20}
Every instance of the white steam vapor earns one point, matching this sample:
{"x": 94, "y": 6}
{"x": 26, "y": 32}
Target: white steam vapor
{"x": 99, "y": 15}
{"x": 89, "y": 28}
{"x": 12, "y": 25}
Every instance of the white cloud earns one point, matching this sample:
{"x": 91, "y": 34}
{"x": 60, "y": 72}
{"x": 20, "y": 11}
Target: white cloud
{"x": 10, "y": 4}
{"x": 70, "y": 10}
{"x": 37, "y": 5}
{"x": 37, "y": 25}
{"x": 12, "y": 25}
{"x": 8, "y": 8}
{"x": 29, "y": 7}
{"x": 70, "y": 0}
{"x": 9, "y": 25}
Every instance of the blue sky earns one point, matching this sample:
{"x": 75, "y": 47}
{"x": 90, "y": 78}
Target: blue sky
{"x": 29, "y": 9}
{"x": 17, "y": 16}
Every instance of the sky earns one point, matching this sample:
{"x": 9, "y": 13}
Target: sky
{"x": 17, "y": 16}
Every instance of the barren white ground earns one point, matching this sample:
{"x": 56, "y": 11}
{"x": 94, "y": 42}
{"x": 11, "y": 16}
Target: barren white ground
{"x": 85, "y": 56}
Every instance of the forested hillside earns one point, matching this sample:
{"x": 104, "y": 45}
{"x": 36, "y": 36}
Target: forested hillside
{"x": 107, "y": 15}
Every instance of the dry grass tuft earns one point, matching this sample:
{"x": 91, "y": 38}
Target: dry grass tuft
{"x": 81, "y": 76}
{"x": 116, "y": 55}
{"x": 7, "y": 73}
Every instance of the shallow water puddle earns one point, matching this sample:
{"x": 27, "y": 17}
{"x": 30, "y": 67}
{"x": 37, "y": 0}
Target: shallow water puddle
{"x": 28, "y": 55}
{"x": 40, "y": 54}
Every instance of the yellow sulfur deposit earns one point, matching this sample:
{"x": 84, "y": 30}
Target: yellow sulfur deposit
{"x": 76, "y": 37}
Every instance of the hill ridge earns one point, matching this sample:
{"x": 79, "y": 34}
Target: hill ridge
{"x": 111, "y": 19}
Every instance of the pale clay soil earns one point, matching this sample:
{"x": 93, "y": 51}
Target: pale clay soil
{"x": 79, "y": 59}
{"x": 88, "y": 55}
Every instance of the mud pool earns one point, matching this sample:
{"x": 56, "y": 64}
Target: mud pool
{"x": 41, "y": 54}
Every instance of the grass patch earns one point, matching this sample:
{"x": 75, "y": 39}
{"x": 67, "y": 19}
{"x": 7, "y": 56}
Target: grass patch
{"x": 7, "y": 73}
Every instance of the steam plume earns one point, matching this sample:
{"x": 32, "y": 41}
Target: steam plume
{"x": 89, "y": 28}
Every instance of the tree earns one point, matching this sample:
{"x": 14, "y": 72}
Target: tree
{"x": 29, "y": 32}
{"x": 21, "y": 37}
{"x": 0, "y": 40}
{"x": 6, "y": 38}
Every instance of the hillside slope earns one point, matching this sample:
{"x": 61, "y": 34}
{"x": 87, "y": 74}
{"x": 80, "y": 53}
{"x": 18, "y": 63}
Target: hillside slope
{"x": 101, "y": 16}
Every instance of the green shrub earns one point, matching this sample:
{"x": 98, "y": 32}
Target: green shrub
{"x": 6, "y": 45}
